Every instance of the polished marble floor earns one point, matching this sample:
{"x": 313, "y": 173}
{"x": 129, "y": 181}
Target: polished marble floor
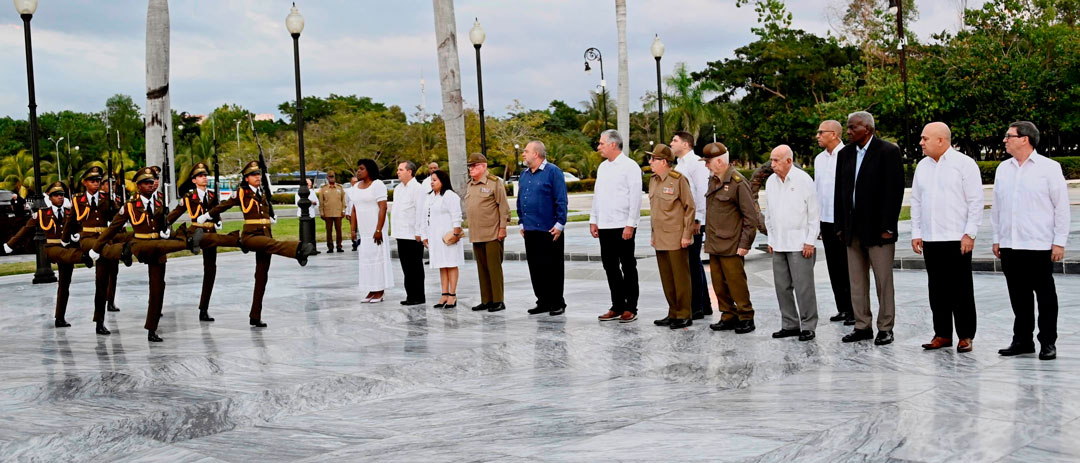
{"x": 332, "y": 379}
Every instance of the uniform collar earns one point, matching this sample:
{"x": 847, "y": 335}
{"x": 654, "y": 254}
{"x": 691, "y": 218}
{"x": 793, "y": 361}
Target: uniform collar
{"x": 483, "y": 179}
{"x": 728, "y": 174}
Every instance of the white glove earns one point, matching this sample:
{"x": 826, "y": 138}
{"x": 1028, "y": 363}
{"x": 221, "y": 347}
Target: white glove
{"x": 203, "y": 218}
{"x": 217, "y": 225}
{"x": 7, "y": 249}
{"x": 94, "y": 255}
{"x": 75, "y": 237}
{"x": 33, "y": 216}
{"x": 166, "y": 233}
{"x": 273, "y": 219}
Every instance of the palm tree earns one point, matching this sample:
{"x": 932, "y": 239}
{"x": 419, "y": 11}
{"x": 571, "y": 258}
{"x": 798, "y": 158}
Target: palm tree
{"x": 17, "y": 172}
{"x": 594, "y": 117}
{"x": 687, "y": 104}
{"x": 450, "y": 80}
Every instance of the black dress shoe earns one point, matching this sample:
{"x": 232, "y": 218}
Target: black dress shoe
{"x": 883, "y": 338}
{"x": 153, "y": 337}
{"x": 1017, "y": 349}
{"x": 303, "y": 250}
{"x": 786, "y": 333}
{"x": 355, "y": 244}
{"x": 677, "y": 323}
{"x": 666, "y": 321}
{"x": 87, "y": 260}
{"x": 257, "y": 323}
{"x": 496, "y": 307}
{"x": 483, "y": 306}
{"x": 102, "y": 330}
{"x": 838, "y": 317}
{"x": 61, "y": 323}
{"x": 194, "y": 240}
{"x": 1048, "y": 352}
{"x": 340, "y": 249}
{"x": 724, "y": 325}
{"x": 807, "y": 335}
{"x": 330, "y": 250}
{"x": 858, "y": 335}
{"x": 539, "y": 310}
{"x": 125, "y": 254}
{"x": 850, "y": 320}
{"x": 745, "y": 326}
{"x": 558, "y": 310}
{"x": 204, "y": 316}
{"x": 112, "y": 308}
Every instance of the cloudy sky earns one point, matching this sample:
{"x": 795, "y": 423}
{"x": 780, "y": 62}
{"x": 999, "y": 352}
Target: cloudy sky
{"x": 238, "y": 51}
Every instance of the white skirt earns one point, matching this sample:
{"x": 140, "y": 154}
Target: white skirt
{"x": 376, "y": 274}
{"x": 443, "y": 256}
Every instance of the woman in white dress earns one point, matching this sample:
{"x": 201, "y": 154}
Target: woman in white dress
{"x": 441, "y": 232}
{"x": 369, "y": 225}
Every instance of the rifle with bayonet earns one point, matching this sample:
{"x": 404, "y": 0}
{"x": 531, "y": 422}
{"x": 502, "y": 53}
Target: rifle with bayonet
{"x": 166, "y": 178}
{"x": 262, "y": 167}
{"x": 217, "y": 178}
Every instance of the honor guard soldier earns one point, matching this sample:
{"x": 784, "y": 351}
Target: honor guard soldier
{"x": 257, "y": 235}
{"x": 672, "y": 215}
{"x": 488, "y": 211}
{"x": 122, "y": 237}
{"x": 86, "y": 224}
{"x": 196, "y": 203}
{"x": 730, "y": 227}
{"x": 152, "y": 242}
{"x": 65, "y": 255}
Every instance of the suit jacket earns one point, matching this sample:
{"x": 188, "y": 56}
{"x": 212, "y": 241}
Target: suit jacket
{"x": 878, "y": 193}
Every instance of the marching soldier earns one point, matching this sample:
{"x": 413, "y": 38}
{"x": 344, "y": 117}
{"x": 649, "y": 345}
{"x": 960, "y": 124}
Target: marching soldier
{"x": 730, "y": 226}
{"x": 88, "y": 221}
{"x": 122, "y": 237}
{"x": 196, "y": 202}
{"x": 151, "y": 242}
{"x": 257, "y": 235}
{"x": 51, "y": 221}
{"x": 672, "y": 217}
{"x": 489, "y": 214}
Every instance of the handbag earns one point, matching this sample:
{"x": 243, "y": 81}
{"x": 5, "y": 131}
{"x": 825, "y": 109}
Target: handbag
{"x": 450, "y": 238}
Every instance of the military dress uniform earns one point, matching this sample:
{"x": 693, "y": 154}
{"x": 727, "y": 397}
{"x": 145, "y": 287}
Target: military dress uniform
{"x": 87, "y": 223}
{"x": 196, "y": 203}
{"x": 146, "y": 216}
{"x": 331, "y": 208}
{"x": 671, "y": 203}
{"x": 488, "y": 211}
{"x": 51, "y": 221}
{"x": 730, "y": 225}
{"x": 257, "y": 236}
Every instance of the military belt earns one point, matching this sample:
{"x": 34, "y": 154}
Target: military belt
{"x": 99, "y": 230}
{"x": 147, "y": 236}
{"x": 53, "y": 241}
{"x": 202, "y": 225}
{"x": 256, "y": 221}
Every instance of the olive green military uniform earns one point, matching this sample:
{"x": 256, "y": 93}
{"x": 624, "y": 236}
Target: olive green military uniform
{"x": 672, "y": 216}
{"x": 488, "y": 211}
{"x": 730, "y": 225}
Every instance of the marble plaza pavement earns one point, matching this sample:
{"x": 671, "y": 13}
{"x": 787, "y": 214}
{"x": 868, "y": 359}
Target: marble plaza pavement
{"x": 333, "y": 379}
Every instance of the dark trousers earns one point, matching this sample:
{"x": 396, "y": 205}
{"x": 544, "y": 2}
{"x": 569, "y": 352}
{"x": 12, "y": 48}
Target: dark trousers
{"x": 674, "y": 276}
{"x": 1028, "y": 272}
{"x": 262, "y": 270}
{"x": 952, "y": 294}
{"x": 836, "y": 260}
{"x": 411, "y": 255}
{"x": 620, "y": 265}
{"x": 209, "y": 264}
{"x": 546, "y": 267}
{"x": 699, "y": 286}
{"x": 332, "y": 224}
{"x": 155, "y": 270}
{"x": 489, "y": 258}
{"x": 104, "y": 280}
{"x": 63, "y": 285}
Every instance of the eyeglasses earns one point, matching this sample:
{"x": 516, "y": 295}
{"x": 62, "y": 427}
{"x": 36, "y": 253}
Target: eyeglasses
{"x": 819, "y": 132}
{"x": 1009, "y": 135}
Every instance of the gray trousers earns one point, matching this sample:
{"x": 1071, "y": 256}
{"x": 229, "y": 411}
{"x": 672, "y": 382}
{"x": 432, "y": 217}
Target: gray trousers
{"x": 860, "y": 260}
{"x": 793, "y": 276}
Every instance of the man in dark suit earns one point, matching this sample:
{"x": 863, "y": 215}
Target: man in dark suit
{"x": 868, "y": 194}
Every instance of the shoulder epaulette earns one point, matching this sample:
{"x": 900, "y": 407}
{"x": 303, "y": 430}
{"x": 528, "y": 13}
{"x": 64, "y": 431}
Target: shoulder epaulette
{"x": 492, "y": 177}
{"x": 736, "y": 178}
{"x": 675, "y": 174}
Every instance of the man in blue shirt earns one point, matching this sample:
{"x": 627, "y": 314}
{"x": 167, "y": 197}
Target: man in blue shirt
{"x": 541, "y": 207}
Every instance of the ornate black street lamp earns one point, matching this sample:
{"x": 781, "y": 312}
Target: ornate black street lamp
{"x": 897, "y": 7}
{"x": 44, "y": 273}
{"x": 657, "y": 50}
{"x": 295, "y": 24}
{"x": 477, "y": 35}
{"x": 593, "y": 54}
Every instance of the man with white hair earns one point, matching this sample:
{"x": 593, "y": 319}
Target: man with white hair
{"x": 791, "y": 217}
{"x": 730, "y": 227}
{"x": 946, "y": 210}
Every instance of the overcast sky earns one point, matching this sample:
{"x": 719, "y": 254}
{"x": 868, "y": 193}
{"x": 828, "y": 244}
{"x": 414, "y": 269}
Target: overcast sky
{"x": 238, "y": 51}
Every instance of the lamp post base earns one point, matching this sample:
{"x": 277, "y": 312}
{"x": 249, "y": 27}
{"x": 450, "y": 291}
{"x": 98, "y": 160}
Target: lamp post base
{"x": 307, "y": 230}
{"x": 44, "y": 273}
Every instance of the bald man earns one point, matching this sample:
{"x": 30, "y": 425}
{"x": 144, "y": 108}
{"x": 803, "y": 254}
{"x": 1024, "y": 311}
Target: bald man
{"x": 828, "y": 137}
{"x": 946, "y": 210}
{"x": 791, "y": 217}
